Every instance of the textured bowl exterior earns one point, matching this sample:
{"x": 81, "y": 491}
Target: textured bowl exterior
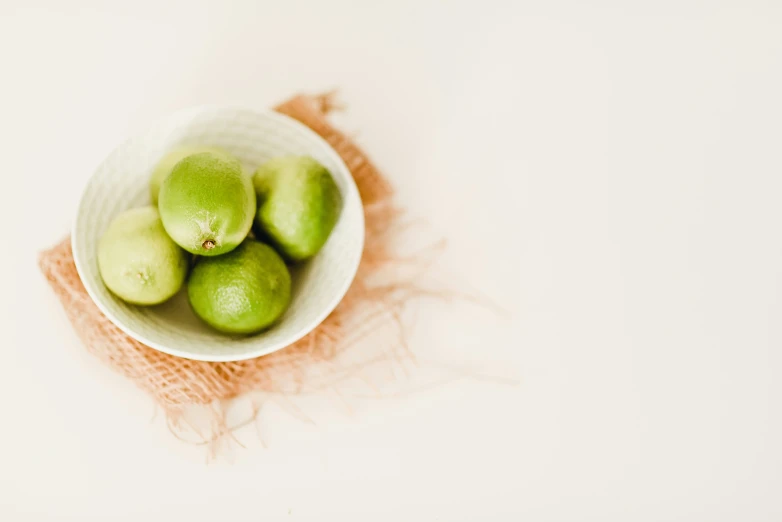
{"x": 252, "y": 136}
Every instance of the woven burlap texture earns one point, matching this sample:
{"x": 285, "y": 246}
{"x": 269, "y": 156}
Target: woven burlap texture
{"x": 366, "y": 322}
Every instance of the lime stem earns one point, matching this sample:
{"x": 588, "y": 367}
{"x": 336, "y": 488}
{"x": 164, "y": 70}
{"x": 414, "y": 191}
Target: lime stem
{"x": 209, "y": 244}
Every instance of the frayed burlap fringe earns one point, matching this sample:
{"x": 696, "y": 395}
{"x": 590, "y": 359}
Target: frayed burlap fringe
{"x": 364, "y": 329}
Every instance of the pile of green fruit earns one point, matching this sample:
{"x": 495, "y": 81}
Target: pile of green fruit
{"x": 230, "y": 235}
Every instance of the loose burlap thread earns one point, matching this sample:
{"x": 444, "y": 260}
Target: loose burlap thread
{"x": 366, "y": 325}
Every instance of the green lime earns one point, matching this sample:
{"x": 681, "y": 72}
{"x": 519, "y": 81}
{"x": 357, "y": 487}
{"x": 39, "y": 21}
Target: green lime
{"x": 166, "y": 165}
{"x": 241, "y": 292}
{"x": 298, "y": 205}
{"x": 207, "y": 203}
{"x": 137, "y": 260}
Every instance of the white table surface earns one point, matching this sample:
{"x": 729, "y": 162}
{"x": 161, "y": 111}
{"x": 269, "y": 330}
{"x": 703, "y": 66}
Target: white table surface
{"x": 610, "y": 175}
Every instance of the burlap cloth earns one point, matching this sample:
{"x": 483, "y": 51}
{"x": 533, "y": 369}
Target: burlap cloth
{"x": 364, "y": 329}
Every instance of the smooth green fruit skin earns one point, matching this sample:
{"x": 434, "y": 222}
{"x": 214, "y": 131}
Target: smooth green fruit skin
{"x": 207, "y": 204}
{"x": 137, "y": 260}
{"x": 166, "y": 165}
{"x": 242, "y": 292}
{"x": 298, "y": 205}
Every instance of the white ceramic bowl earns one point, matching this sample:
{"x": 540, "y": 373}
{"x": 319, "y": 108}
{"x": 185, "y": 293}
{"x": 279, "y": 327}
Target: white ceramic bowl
{"x": 122, "y": 182}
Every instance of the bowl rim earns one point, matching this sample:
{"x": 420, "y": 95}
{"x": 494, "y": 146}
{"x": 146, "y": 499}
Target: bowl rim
{"x": 351, "y": 189}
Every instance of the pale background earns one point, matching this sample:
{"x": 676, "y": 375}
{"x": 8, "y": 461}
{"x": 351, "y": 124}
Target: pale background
{"x": 607, "y": 172}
